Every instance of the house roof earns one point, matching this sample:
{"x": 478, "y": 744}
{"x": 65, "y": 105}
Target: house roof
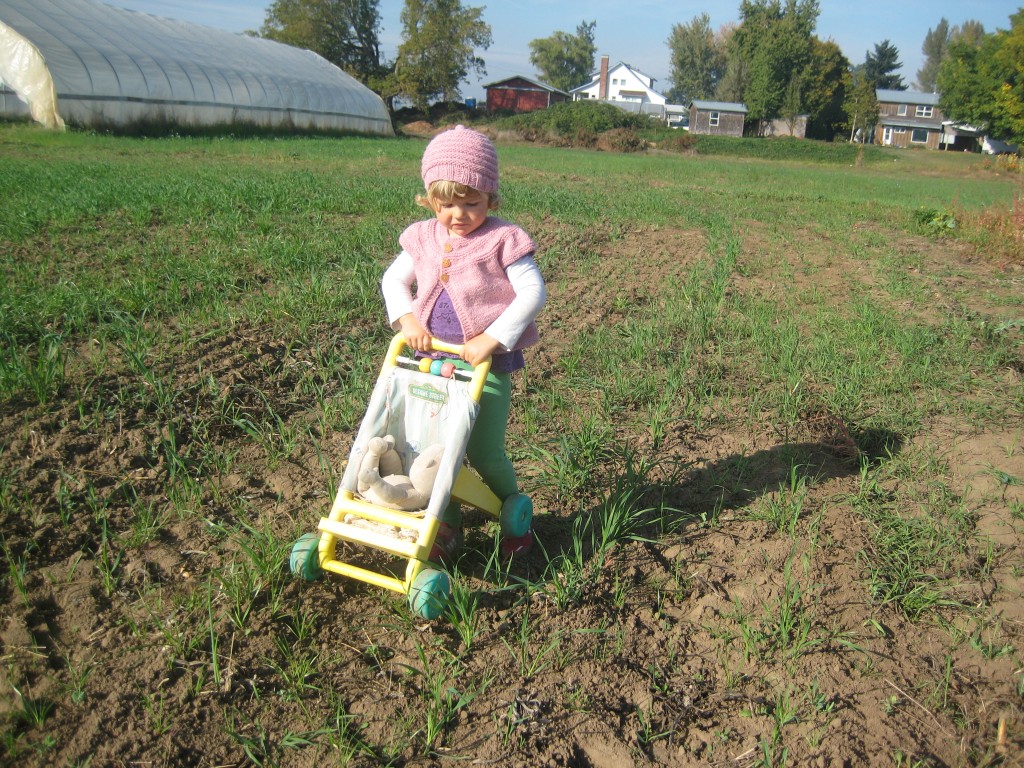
{"x": 543, "y": 86}
{"x": 634, "y": 70}
{"x": 906, "y": 97}
{"x": 720, "y": 106}
{"x": 596, "y": 76}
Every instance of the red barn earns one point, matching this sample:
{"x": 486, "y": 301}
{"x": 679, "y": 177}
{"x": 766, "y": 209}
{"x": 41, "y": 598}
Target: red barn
{"x": 521, "y": 94}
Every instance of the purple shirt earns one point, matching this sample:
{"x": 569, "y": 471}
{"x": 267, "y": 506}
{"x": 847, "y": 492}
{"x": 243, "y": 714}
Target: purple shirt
{"x": 444, "y": 325}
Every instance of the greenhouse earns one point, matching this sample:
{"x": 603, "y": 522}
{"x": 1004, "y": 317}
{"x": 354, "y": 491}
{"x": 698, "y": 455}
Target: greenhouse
{"x": 88, "y": 64}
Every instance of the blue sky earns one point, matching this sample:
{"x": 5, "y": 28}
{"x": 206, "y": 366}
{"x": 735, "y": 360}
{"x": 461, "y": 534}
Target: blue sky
{"x": 633, "y": 31}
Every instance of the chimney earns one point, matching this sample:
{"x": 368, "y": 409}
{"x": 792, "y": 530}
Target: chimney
{"x": 602, "y": 85}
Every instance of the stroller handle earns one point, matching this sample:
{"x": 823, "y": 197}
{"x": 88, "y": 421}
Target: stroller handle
{"x": 451, "y": 349}
{"x": 480, "y": 371}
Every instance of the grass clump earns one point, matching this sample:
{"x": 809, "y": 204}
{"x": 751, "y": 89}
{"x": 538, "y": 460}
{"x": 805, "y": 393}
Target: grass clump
{"x": 790, "y": 149}
{"x": 997, "y": 231}
{"x": 576, "y": 123}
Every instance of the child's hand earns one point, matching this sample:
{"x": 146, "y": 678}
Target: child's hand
{"x": 416, "y": 336}
{"x": 478, "y": 349}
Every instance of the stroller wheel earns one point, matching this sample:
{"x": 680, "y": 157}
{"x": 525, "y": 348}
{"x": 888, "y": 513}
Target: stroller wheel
{"x": 429, "y": 594}
{"x": 305, "y": 558}
{"x": 516, "y": 516}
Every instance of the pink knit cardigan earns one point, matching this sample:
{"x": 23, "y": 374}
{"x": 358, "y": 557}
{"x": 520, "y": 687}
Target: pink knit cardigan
{"x": 471, "y": 269}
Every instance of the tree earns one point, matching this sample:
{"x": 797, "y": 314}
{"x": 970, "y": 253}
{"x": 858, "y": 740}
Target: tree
{"x": 971, "y": 31}
{"x": 735, "y": 74}
{"x": 983, "y": 84}
{"x": 792, "y": 106}
{"x": 775, "y": 41}
{"x": 825, "y": 81}
{"x": 861, "y": 106}
{"x": 968, "y": 82}
{"x": 1009, "y": 112}
{"x": 697, "y": 60}
{"x": 935, "y": 49}
{"x": 880, "y": 67}
{"x": 345, "y": 32}
{"x": 563, "y": 60}
{"x": 437, "y": 52}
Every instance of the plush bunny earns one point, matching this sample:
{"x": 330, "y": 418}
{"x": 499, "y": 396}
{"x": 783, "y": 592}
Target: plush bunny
{"x": 380, "y": 480}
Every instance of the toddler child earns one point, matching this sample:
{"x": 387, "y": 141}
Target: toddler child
{"x": 466, "y": 277}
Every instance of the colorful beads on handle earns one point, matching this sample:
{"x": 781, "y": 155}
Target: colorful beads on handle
{"x": 445, "y": 368}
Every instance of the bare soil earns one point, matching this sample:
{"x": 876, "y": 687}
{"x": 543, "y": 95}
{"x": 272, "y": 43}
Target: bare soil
{"x": 108, "y": 634}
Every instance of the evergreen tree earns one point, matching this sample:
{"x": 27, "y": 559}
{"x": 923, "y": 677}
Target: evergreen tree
{"x": 563, "y": 60}
{"x": 880, "y": 67}
{"x": 345, "y": 32}
{"x": 935, "y": 49}
{"x": 698, "y": 60}
{"x": 438, "y": 50}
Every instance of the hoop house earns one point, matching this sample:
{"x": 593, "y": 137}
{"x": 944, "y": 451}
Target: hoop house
{"x": 94, "y": 65}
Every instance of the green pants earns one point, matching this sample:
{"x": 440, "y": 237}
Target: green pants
{"x": 486, "y": 449}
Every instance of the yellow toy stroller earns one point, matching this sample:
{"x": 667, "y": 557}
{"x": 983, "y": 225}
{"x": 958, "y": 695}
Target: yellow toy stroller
{"x": 418, "y": 406}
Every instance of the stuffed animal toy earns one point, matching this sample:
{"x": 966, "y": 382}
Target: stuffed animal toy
{"x": 381, "y": 480}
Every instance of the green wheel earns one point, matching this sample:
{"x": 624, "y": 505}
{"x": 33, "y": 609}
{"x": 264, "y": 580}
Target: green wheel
{"x": 305, "y": 559}
{"x": 429, "y": 594}
{"x": 516, "y": 516}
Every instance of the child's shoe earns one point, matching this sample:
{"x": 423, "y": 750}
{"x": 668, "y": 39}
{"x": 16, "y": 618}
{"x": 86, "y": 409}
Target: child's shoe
{"x": 516, "y": 546}
{"x": 516, "y": 520}
{"x": 446, "y": 544}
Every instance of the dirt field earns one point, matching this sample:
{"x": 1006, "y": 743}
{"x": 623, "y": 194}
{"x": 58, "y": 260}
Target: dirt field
{"x": 125, "y": 647}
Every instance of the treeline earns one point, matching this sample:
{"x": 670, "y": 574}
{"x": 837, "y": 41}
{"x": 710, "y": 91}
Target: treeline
{"x": 770, "y": 59}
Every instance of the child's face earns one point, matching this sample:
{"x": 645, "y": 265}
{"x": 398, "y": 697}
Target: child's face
{"x": 462, "y": 215}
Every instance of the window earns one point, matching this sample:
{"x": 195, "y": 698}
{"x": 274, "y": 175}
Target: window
{"x": 714, "y": 120}
{"x": 901, "y": 131}
{"x": 901, "y": 110}
{"x": 919, "y": 136}
{"x": 923, "y": 111}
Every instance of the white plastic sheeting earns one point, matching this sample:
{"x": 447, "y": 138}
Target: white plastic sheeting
{"x": 112, "y": 67}
{"x": 23, "y": 67}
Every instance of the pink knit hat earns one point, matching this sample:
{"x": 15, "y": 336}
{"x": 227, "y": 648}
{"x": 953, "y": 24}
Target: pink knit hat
{"x": 463, "y": 155}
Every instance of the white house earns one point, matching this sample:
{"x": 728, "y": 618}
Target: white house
{"x": 620, "y": 83}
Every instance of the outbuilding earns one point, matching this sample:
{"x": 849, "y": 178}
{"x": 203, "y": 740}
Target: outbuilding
{"x": 93, "y": 65}
{"x": 522, "y": 94}
{"x": 717, "y": 118}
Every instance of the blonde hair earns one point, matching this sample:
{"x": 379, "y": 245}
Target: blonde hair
{"x": 441, "y": 191}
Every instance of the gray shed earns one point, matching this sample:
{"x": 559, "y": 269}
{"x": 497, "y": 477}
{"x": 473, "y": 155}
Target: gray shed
{"x": 717, "y": 118}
